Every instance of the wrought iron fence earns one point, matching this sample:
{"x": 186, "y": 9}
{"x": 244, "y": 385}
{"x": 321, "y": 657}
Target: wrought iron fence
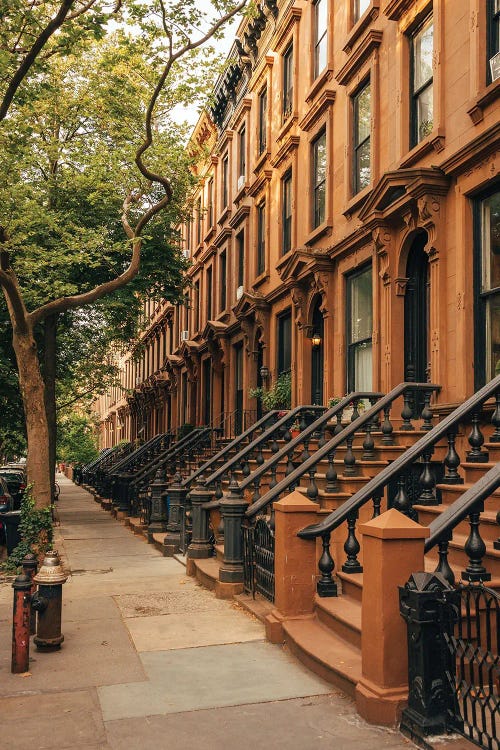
{"x": 258, "y": 558}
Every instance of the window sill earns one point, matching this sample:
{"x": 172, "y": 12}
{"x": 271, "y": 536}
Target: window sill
{"x": 225, "y": 214}
{"x": 320, "y": 231}
{"x": 357, "y": 201}
{"x": 319, "y": 82}
{"x": 370, "y": 14}
{"x": 261, "y": 160}
{"x": 485, "y": 97}
{"x": 433, "y": 142}
{"x": 209, "y": 234}
{"x": 241, "y": 193}
{"x": 263, "y": 277}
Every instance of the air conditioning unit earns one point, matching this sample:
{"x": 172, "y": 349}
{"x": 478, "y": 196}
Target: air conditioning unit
{"x": 186, "y": 253}
{"x": 184, "y": 335}
{"x": 239, "y": 292}
{"x": 241, "y": 181}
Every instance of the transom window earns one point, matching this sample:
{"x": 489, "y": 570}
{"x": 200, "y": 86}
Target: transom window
{"x": 320, "y": 36}
{"x": 319, "y": 179}
{"x": 288, "y": 82}
{"x": 359, "y": 324}
{"x": 422, "y": 90}
{"x": 286, "y": 188}
{"x": 362, "y": 133}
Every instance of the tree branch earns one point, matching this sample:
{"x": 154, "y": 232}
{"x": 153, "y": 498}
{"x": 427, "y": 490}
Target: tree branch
{"x": 30, "y": 58}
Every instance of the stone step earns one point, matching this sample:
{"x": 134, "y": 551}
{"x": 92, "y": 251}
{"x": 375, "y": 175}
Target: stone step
{"x": 490, "y": 530}
{"x": 341, "y": 615}
{"x": 324, "y": 652}
{"x": 474, "y": 471}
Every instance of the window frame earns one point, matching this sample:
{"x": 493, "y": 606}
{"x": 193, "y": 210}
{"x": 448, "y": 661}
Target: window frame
{"x": 319, "y": 40}
{"x": 286, "y": 218}
{"x": 285, "y": 315}
{"x": 288, "y": 87}
{"x": 242, "y": 157}
{"x": 209, "y": 289}
{"x": 351, "y": 346}
{"x": 261, "y": 238}
{"x": 493, "y": 35}
{"x": 262, "y": 125}
{"x": 316, "y": 184}
{"x": 210, "y": 202}
{"x": 356, "y": 144}
{"x": 415, "y": 94}
{"x": 357, "y": 12}
{"x": 223, "y": 280}
{"x": 240, "y": 258}
{"x": 225, "y": 181}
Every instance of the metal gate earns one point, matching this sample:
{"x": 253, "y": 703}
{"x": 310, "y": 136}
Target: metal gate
{"x": 473, "y": 644}
{"x": 258, "y": 559}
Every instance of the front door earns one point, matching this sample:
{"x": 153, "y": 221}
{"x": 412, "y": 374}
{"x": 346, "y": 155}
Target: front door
{"x": 207, "y": 391}
{"x": 238, "y": 393}
{"x": 317, "y": 357}
{"x": 416, "y": 324}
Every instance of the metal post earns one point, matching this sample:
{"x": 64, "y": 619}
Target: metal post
{"x": 30, "y": 567}
{"x": 233, "y": 507}
{"x": 21, "y": 624}
{"x": 200, "y": 546}
{"x": 427, "y": 603}
{"x": 177, "y": 497}
{"x": 159, "y": 516}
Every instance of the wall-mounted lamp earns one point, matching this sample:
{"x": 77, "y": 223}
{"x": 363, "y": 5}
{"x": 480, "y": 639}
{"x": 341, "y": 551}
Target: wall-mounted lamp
{"x": 264, "y": 372}
{"x": 316, "y": 340}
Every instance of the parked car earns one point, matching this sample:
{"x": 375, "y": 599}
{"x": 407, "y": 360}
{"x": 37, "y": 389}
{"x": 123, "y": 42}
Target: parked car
{"x": 16, "y": 483}
{"x": 6, "y": 504}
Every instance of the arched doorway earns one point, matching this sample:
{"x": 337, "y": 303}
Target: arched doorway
{"x": 416, "y": 312}
{"x": 317, "y": 355}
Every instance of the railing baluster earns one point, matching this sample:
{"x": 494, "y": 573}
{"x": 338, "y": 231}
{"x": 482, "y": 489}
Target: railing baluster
{"x": 387, "y": 428}
{"x": 495, "y": 420}
{"x": 338, "y": 427}
{"x": 305, "y": 453}
{"x": 452, "y": 461}
{"x": 322, "y": 438}
{"x": 259, "y": 458}
{"x": 427, "y": 412}
{"x": 368, "y": 444}
{"x": 375, "y": 420}
{"x": 443, "y": 566}
{"x": 326, "y": 586}
{"x": 496, "y": 543}
{"x": 402, "y": 501}
{"x": 377, "y": 502}
{"x": 349, "y": 459}
{"x": 256, "y": 491}
{"x": 218, "y": 490}
{"x": 273, "y": 482}
{"x": 332, "y": 484}
{"x": 427, "y": 482}
{"x": 289, "y": 466}
{"x": 351, "y": 547}
{"x": 312, "y": 490}
{"x": 476, "y": 439}
{"x": 355, "y": 412}
{"x": 407, "y": 412}
{"x": 475, "y": 548}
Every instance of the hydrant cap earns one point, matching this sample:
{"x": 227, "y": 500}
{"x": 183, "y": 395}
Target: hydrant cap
{"x": 51, "y": 571}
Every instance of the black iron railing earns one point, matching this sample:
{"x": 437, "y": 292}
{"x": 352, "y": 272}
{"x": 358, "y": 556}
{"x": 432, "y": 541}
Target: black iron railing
{"x": 423, "y": 448}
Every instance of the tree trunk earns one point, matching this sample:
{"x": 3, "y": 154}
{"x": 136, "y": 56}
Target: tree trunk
{"x": 49, "y": 376}
{"x": 33, "y": 394}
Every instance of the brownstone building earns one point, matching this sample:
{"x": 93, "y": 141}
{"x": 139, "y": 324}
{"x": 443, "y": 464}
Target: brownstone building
{"x": 351, "y": 192}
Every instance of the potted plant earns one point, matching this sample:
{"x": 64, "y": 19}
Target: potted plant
{"x": 295, "y": 429}
{"x": 279, "y": 396}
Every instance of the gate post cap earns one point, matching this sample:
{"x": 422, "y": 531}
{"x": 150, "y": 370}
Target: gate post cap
{"x": 295, "y": 503}
{"x": 394, "y": 525}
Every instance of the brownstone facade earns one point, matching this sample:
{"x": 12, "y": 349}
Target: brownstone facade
{"x": 351, "y": 191}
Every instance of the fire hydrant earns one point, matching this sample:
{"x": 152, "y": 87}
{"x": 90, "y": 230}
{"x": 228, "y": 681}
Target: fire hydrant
{"x": 21, "y": 625}
{"x": 47, "y": 601}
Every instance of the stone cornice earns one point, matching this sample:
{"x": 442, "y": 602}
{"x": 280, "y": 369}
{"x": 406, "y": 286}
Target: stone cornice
{"x": 369, "y": 43}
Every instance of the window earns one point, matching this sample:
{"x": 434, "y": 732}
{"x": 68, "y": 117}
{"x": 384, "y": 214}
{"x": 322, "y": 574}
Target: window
{"x": 209, "y": 293}
{"x": 487, "y": 335}
{"x": 421, "y": 115}
{"x": 284, "y": 353}
{"x": 288, "y": 82}
{"x": 262, "y": 121}
{"x": 225, "y": 177}
{"x": 240, "y": 252}
{"x": 197, "y": 305}
{"x": 223, "y": 281}
{"x": 359, "y": 8}
{"x": 361, "y": 151}
{"x": 261, "y": 238}
{"x": 241, "y": 157}
{"x": 198, "y": 221}
{"x": 359, "y": 324}
{"x": 286, "y": 213}
{"x": 210, "y": 202}
{"x": 493, "y": 70}
{"x": 320, "y": 36}
{"x": 319, "y": 179}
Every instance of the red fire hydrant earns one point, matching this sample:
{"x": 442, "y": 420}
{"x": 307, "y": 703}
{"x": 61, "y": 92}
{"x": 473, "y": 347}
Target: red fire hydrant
{"x": 48, "y": 603}
{"x": 21, "y": 624}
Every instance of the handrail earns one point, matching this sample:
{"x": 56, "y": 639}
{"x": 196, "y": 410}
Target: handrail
{"x": 441, "y": 527}
{"x": 227, "y": 448}
{"x": 140, "y": 450}
{"x": 173, "y": 451}
{"x": 290, "y": 415}
{"x": 317, "y": 455}
{"x": 334, "y": 519}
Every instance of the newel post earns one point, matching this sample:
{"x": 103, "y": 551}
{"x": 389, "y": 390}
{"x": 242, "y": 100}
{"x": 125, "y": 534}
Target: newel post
{"x": 295, "y": 563}
{"x": 393, "y": 548}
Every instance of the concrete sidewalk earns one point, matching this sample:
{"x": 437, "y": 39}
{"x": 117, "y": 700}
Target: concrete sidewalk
{"x": 152, "y": 660}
